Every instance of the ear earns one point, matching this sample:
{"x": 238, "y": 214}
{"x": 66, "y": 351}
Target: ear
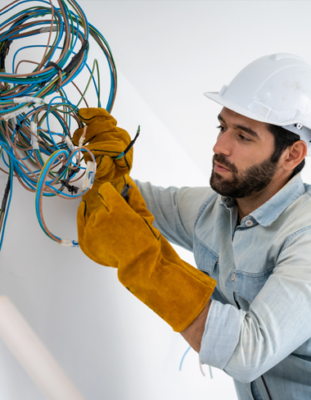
{"x": 294, "y": 155}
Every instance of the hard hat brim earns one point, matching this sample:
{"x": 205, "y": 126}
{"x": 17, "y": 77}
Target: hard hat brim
{"x": 231, "y": 105}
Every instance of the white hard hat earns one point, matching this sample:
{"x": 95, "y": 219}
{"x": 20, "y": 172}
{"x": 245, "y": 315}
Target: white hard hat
{"x": 275, "y": 89}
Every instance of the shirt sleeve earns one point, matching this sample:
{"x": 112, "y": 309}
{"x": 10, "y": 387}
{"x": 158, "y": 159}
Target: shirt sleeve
{"x": 175, "y": 210}
{"x": 247, "y": 344}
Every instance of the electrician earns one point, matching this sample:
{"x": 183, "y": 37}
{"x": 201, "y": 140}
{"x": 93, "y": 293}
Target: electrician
{"x": 247, "y": 308}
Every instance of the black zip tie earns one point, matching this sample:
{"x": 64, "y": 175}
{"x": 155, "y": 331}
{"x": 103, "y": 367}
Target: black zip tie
{"x": 75, "y": 59}
{"x": 61, "y": 170}
{"x": 71, "y": 189}
{"x": 53, "y": 64}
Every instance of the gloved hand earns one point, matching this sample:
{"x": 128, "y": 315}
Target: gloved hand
{"x": 106, "y": 141}
{"x": 121, "y": 235}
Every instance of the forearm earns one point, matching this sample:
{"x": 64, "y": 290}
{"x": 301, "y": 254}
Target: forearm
{"x": 193, "y": 334}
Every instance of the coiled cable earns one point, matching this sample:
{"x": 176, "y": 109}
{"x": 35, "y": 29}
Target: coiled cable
{"x": 44, "y": 160}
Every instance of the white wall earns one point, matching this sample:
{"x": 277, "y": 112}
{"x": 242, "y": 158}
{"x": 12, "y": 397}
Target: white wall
{"x": 167, "y": 54}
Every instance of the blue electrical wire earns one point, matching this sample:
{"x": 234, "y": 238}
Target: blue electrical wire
{"x": 183, "y": 357}
{"x": 23, "y": 116}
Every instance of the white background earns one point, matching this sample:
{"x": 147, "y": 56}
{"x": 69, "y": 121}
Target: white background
{"x": 167, "y": 54}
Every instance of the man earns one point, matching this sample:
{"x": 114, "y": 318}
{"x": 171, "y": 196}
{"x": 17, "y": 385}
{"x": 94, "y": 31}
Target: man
{"x": 250, "y": 232}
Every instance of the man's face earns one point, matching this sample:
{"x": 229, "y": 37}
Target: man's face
{"x": 241, "y": 163}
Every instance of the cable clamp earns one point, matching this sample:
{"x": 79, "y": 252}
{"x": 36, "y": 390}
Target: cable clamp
{"x": 69, "y": 243}
{"x": 16, "y": 113}
{"x": 34, "y": 138}
{"x": 69, "y": 143}
{"x": 29, "y": 99}
{"x": 89, "y": 175}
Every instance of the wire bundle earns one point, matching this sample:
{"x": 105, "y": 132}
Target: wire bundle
{"x": 45, "y": 161}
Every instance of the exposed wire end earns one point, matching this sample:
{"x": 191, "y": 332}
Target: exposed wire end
{"x": 129, "y": 146}
{"x": 69, "y": 143}
{"x": 81, "y": 140}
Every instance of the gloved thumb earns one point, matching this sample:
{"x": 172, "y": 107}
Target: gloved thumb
{"x": 110, "y": 198}
{"x": 137, "y": 202}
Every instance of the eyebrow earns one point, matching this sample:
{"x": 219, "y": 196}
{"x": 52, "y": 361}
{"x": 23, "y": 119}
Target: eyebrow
{"x": 242, "y": 127}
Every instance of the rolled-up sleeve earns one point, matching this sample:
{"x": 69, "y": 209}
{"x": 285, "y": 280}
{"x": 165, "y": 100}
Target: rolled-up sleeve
{"x": 221, "y": 334}
{"x": 175, "y": 210}
{"x": 247, "y": 344}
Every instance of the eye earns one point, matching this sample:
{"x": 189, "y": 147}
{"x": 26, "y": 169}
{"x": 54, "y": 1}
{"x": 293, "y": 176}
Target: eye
{"x": 221, "y": 128}
{"x": 244, "y": 138}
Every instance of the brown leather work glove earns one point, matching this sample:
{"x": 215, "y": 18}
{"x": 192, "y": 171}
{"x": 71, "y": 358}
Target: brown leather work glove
{"x": 106, "y": 141}
{"x": 121, "y": 235}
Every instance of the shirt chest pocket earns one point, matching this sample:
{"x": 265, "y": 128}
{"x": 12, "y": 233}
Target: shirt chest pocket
{"x": 247, "y": 285}
{"x": 206, "y": 259}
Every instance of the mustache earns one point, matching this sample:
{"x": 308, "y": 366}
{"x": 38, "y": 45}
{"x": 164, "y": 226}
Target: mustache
{"x": 221, "y": 159}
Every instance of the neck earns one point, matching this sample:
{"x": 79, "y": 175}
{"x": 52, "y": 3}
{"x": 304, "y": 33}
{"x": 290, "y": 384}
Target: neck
{"x": 249, "y": 204}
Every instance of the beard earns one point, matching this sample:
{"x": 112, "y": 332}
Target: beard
{"x": 245, "y": 184}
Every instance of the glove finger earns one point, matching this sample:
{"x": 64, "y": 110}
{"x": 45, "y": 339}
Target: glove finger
{"x": 120, "y": 211}
{"x": 86, "y": 115}
{"x": 88, "y": 237}
{"x": 110, "y": 147}
{"x": 103, "y": 132}
{"x": 136, "y": 200}
{"x": 108, "y": 170}
{"x": 137, "y": 203}
{"x": 98, "y": 130}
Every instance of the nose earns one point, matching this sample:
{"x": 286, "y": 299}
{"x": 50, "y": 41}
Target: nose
{"x": 222, "y": 145}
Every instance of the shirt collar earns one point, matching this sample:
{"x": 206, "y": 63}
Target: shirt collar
{"x": 273, "y": 208}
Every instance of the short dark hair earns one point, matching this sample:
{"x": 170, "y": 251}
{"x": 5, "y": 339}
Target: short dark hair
{"x": 283, "y": 139}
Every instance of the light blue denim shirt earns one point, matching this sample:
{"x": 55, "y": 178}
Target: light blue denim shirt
{"x": 258, "y": 328}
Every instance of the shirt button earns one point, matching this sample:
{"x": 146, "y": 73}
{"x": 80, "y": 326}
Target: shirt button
{"x": 249, "y": 222}
{"x": 233, "y": 276}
